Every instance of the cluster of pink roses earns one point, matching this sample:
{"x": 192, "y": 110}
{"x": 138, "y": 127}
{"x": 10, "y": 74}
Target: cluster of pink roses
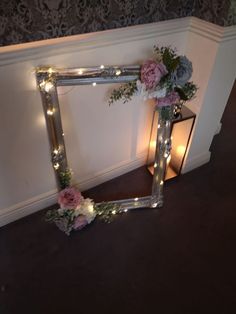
{"x": 82, "y": 209}
{"x": 151, "y": 74}
{"x": 69, "y": 198}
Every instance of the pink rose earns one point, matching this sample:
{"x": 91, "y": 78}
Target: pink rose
{"x": 151, "y": 73}
{"x": 170, "y": 99}
{"x": 69, "y": 198}
{"x": 80, "y": 222}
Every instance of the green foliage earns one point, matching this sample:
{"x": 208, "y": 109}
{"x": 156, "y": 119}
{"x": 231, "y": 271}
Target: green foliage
{"x": 64, "y": 219}
{"x": 170, "y": 62}
{"x": 107, "y": 211}
{"x": 51, "y": 215}
{"x": 65, "y": 178}
{"x": 187, "y": 91}
{"x": 169, "y": 57}
{"x": 124, "y": 92}
{"x": 166, "y": 113}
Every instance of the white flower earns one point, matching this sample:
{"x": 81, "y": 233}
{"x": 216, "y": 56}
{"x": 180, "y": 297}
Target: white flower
{"x": 149, "y": 94}
{"x": 158, "y": 56}
{"x": 61, "y": 211}
{"x": 86, "y": 208}
{"x": 158, "y": 93}
{"x": 141, "y": 90}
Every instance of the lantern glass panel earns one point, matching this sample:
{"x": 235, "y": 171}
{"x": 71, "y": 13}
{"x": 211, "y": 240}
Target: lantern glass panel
{"x": 180, "y": 134}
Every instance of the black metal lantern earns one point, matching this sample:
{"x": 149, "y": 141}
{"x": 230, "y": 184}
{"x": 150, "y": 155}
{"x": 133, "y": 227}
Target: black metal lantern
{"x": 181, "y": 129}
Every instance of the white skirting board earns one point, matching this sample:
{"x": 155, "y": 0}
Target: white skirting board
{"x": 196, "y": 162}
{"x": 42, "y": 201}
{"x": 27, "y": 207}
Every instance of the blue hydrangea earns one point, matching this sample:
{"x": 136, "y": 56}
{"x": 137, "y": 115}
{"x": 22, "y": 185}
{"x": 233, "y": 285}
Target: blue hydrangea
{"x": 183, "y": 72}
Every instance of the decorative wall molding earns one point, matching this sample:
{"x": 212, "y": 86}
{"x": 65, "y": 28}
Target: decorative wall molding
{"x": 66, "y": 45}
{"x": 206, "y": 29}
{"x": 27, "y": 21}
{"x": 211, "y": 31}
{"x": 91, "y": 41}
{"x": 229, "y": 33}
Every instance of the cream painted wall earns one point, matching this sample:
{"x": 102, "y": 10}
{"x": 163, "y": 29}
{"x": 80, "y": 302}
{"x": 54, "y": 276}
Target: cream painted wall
{"x": 215, "y": 98}
{"x": 214, "y": 66}
{"x": 102, "y": 141}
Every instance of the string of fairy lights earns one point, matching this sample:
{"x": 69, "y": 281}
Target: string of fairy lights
{"x": 46, "y": 85}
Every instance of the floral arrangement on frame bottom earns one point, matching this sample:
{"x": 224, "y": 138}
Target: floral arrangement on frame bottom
{"x": 75, "y": 211}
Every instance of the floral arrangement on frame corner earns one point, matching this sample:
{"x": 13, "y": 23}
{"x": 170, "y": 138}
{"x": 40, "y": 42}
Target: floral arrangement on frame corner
{"x": 75, "y": 212}
{"x": 164, "y": 78}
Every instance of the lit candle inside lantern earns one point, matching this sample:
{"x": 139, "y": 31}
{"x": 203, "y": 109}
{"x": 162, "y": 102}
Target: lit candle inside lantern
{"x": 152, "y": 148}
{"x": 180, "y": 150}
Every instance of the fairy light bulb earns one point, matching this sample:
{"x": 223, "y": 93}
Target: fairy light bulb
{"x": 161, "y": 183}
{"x": 118, "y": 72}
{"x": 42, "y": 84}
{"x": 56, "y": 166}
{"x": 125, "y": 210}
{"x": 136, "y": 199}
{"x": 113, "y": 212}
{"x": 48, "y": 86}
{"x": 50, "y": 112}
{"x": 155, "y": 165}
{"x": 102, "y": 66}
{"x": 94, "y": 84}
{"x": 56, "y": 151}
{"x": 80, "y": 72}
{"x": 50, "y": 70}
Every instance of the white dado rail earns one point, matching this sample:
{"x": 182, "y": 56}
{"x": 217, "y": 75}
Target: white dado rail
{"x": 27, "y": 181}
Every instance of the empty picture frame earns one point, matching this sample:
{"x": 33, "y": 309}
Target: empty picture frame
{"x": 48, "y": 79}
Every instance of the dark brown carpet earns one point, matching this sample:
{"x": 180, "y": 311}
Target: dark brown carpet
{"x": 179, "y": 259}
